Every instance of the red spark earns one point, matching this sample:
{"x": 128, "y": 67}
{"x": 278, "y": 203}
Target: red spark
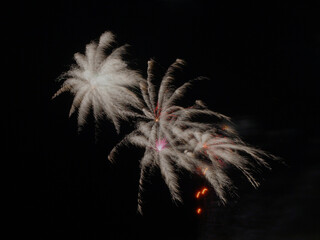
{"x": 157, "y": 112}
{"x": 222, "y": 164}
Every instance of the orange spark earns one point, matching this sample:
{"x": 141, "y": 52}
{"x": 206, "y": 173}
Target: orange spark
{"x": 199, "y": 210}
{"x": 198, "y": 194}
{"x": 204, "y": 190}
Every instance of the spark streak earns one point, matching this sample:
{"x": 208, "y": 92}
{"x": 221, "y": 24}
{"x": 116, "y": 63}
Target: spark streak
{"x": 198, "y": 194}
{"x": 199, "y": 210}
{"x": 204, "y": 190}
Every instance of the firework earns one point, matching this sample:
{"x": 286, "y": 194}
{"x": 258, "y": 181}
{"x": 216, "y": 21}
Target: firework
{"x": 101, "y": 83}
{"x": 173, "y": 140}
{"x": 172, "y": 135}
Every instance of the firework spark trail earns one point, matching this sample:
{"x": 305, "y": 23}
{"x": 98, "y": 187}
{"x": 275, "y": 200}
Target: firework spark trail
{"x": 101, "y": 83}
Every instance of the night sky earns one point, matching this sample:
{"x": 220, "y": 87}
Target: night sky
{"x": 262, "y": 58}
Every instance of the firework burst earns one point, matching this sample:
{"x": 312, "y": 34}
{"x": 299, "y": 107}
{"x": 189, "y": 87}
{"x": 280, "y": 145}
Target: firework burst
{"x": 101, "y": 83}
{"x": 164, "y": 131}
{"x": 215, "y": 150}
{"x": 172, "y": 136}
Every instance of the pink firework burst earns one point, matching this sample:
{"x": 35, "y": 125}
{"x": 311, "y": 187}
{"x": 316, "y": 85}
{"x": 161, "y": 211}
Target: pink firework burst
{"x": 161, "y": 144}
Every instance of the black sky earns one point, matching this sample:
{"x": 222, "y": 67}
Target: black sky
{"x": 263, "y": 61}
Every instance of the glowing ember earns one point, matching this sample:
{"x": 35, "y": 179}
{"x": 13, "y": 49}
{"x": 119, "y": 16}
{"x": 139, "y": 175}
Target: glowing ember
{"x": 204, "y": 190}
{"x": 161, "y": 144}
{"x": 199, "y": 210}
{"x": 201, "y": 192}
{"x": 198, "y": 194}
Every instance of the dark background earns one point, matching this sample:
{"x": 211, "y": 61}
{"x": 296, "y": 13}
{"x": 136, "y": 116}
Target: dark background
{"x": 263, "y": 61}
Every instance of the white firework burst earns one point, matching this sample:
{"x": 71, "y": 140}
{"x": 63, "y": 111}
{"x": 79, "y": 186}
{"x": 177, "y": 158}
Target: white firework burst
{"x": 101, "y": 83}
{"x": 173, "y": 139}
{"x": 159, "y": 128}
{"x": 168, "y": 132}
{"x": 218, "y": 148}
